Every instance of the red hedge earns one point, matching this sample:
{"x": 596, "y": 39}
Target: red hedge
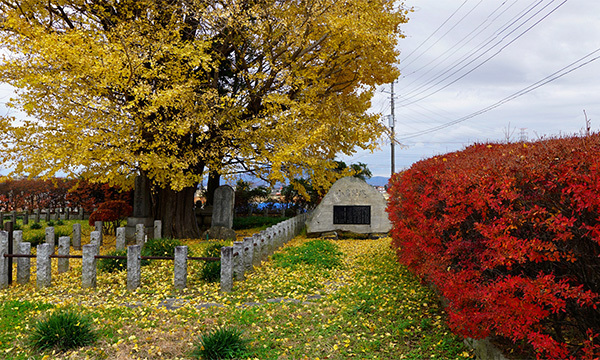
{"x": 510, "y": 236}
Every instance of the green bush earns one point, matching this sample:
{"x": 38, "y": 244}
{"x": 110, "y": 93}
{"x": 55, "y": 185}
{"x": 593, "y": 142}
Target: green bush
{"x": 161, "y": 247}
{"x": 62, "y": 331}
{"x": 50, "y": 223}
{"x": 222, "y": 343}
{"x": 35, "y": 226}
{"x": 112, "y": 265}
{"x": 59, "y": 223}
{"x": 35, "y": 238}
{"x": 321, "y": 253}
{"x": 211, "y": 271}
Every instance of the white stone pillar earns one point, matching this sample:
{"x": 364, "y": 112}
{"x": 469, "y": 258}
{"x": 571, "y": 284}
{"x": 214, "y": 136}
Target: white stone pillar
{"x": 120, "y": 242}
{"x": 64, "y": 246}
{"x": 24, "y": 264}
{"x": 226, "y": 269}
{"x": 134, "y": 262}
{"x": 44, "y": 268}
{"x": 180, "y": 267}
{"x": 50, "y": 236}
{"x": 77, "y": 236}
{"x": 238, "y": 260}
{"x": 88, "y": 265}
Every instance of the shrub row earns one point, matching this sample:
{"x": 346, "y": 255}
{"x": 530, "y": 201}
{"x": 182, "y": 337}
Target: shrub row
{"x": 509, "y": 234}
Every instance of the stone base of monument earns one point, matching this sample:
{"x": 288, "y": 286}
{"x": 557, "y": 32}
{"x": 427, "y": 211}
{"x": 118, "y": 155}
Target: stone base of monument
{"x": 219, "y": 233}
{"x": 131, "y": 224}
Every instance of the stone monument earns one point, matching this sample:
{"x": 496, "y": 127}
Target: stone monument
{"x": 142, "y": 209}
{"x": 351, "y": 205}
{"x": 222, "y": 214}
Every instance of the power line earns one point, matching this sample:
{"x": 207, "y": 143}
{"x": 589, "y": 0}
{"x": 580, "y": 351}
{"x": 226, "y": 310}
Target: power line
{"x": 408, "y": 97}
{"x": 436, "y": 30}
{"x": 550, "y": 78}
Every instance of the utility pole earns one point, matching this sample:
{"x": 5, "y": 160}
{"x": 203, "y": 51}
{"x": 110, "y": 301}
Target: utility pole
{"x": 393, "y": 134}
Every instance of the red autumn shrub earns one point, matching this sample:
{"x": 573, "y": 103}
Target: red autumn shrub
{"x": 510, "y": 236}
{"x": 112, "y": 213}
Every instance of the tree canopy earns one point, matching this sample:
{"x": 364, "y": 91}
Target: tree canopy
{"x": 167, "y": 88}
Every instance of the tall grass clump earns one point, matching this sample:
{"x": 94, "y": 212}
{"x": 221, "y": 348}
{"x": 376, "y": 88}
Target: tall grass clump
{"x": 222, "y": 343}
{"x": 63, "y": 330}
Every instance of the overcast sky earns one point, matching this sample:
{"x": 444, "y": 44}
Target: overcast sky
{"x": 460, "y": 57}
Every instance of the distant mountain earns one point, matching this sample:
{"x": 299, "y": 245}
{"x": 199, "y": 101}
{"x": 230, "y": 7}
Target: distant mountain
{"x": 378, "y": 181}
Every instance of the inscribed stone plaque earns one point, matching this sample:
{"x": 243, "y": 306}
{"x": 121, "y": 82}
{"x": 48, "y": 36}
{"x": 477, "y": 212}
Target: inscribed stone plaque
{"x": 351, "y": 205}
{"x": 352, "y": 214}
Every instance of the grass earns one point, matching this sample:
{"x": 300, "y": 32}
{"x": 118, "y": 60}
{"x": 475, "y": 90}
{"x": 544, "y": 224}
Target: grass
{"x": 63, "y": 330}
{"x": 368, "y": 307}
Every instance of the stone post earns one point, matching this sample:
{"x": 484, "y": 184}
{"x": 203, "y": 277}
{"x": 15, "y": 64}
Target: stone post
{"x": 24, "y": 264}
{"x": 88, "y": 265}
{"x": 47, "y": 218}
{"x": 81, "y": 214}
{"x": 248, "y": 253}
{"x": 44, "y": 268}
{"x": 120, "y": 242}
{"x": 68, "y": 214}
{"x": 157, "y": 229}
{"x": 140, "y": 234}
{"x": 256, "y": 256}
{"x": 36, "y": 219}
{"x": 180, "y": 267}
{"x": 77, "y": 236}
{"x": 3, "y": 260}
{"x": 98, "y": 227}
{"x": 17, "y": 239}
{"x": 26, "y": 217}
{"x": 95, "y": 238}
{"x": 64, "y": 245}
{"x": 50, "y": 236}
{"x": 56, "y": 214}
{"x": 226, "y": 269}
{"x": 238, "y": 260}
{"x": 134, "y": 262}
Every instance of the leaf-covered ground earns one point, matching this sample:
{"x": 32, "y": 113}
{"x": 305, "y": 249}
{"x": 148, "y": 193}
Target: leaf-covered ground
{"x": 369, "y": 308}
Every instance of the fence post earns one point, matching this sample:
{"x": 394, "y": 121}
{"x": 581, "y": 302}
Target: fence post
{"x": 95, "y": 238}
{"x": 134, "y": 253}
{"x": 120, "y": 242}
{"x": 44, "y": 268}
{"x": 36, "y": 219}
{"x": 157, "y": 229}
{"x": 264, "y": 246}
{"x": 3, "y": 260}
{"x": 180, "y": 267}
{"x": 26, "y": 217}
{"x": 238, "y": 261}
{"x": 256, "y": 256}
{"x": 226, "y": 269}
{"x": 56, "y": 214}
{"x": 98, "y": 227}
{"x": 24, "y": 264}
{"x": 17, "y": 239}
{"x": 47, "y": 215}
{"x": 140, "y": 231}
{"x": 68, "y": 214}
{"x": 77, "y": 236}
{"x": 248, "y": 253}
{"x": 88, "y": 265}
{"x": 63, "y": 249}
{"x": 81, "y": 214}
{"x": 50, "y": 236}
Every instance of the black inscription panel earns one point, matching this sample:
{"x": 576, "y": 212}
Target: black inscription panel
{"x": 352, "y": 215}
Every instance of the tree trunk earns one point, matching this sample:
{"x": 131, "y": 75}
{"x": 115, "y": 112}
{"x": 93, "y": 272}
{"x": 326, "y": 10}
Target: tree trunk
{"x": 214, "y": 179}
{"x": 176, "y": 211}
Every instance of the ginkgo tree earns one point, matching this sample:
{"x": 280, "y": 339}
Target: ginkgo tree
{"x": 165, "y": 89}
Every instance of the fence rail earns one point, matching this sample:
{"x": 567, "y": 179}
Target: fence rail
{"x": 235, "y": 260}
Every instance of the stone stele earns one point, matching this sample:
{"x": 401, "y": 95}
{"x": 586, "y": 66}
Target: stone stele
{"x": 351, "y": 205}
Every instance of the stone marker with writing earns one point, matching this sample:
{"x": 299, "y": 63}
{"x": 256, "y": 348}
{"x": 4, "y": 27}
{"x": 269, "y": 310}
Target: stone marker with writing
{"x": 351, "y": 205}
